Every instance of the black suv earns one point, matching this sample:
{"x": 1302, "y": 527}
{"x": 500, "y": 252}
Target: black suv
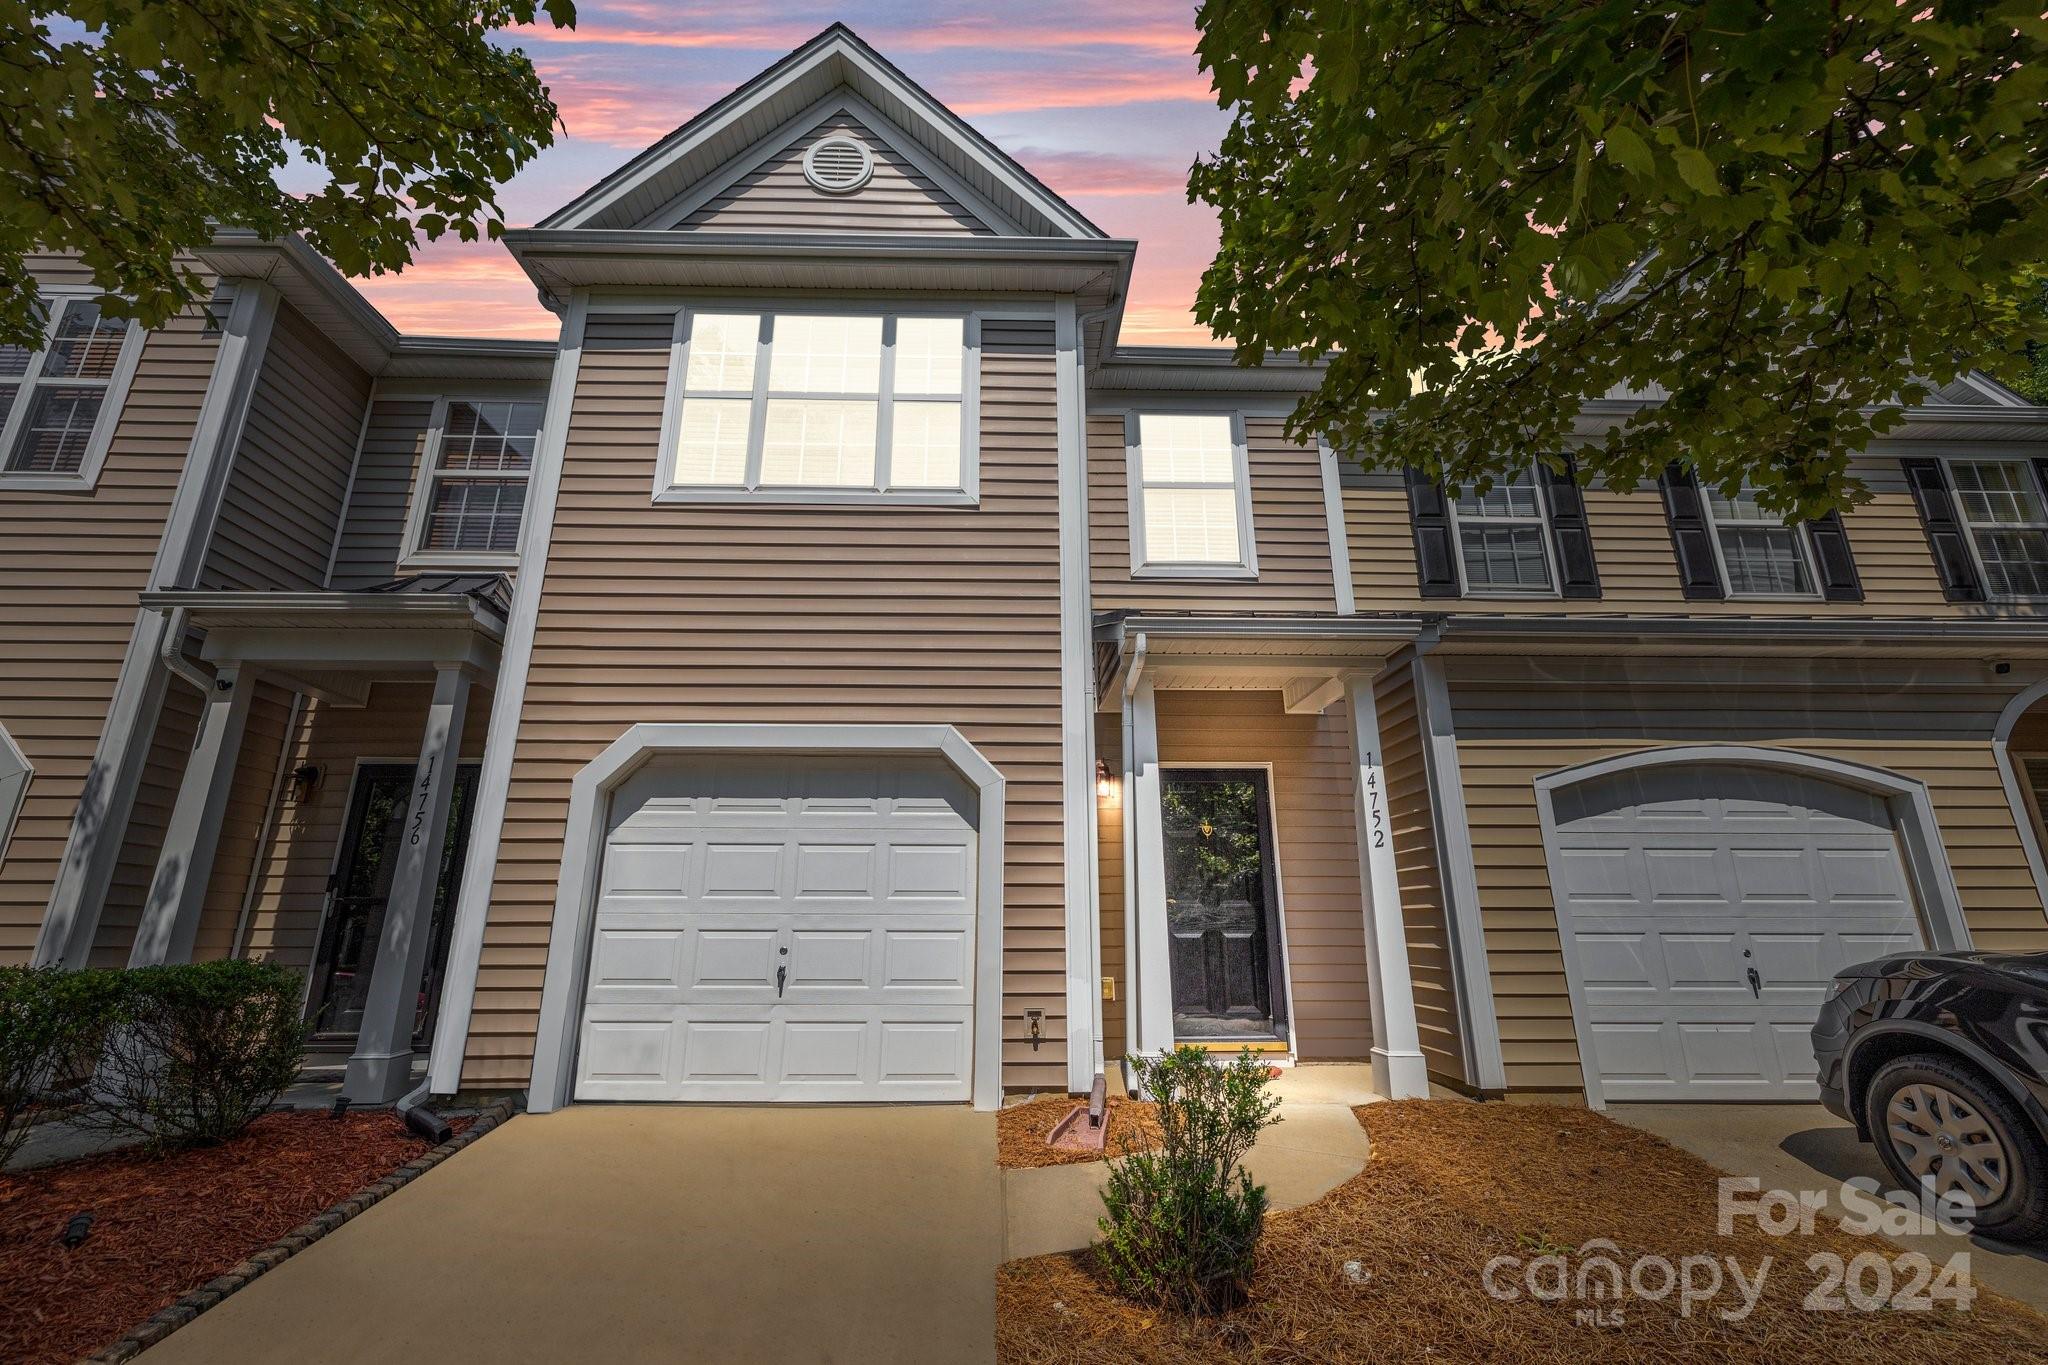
{"x": 1941, "y": 1062}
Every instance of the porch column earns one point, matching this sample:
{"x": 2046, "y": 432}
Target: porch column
{"x": 1398, "y": 1069}
{"x": 1152, "y": 968}
{"x": 177, "y": 893}
{"x": 381, "y": 1069}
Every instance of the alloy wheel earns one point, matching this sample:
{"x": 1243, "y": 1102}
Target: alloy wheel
{"x": 1948, "y": 1144}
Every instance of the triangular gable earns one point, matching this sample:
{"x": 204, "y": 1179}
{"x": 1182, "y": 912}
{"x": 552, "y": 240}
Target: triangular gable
{"x": 769, "y": 192}
{"x": 756, "y": 122}
{"x": 1975, "y": 390}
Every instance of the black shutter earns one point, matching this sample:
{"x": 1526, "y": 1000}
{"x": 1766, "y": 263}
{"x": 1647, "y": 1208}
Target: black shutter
{"x": 1578, "y": 575}
{"x": 1436, "y": 549}
{"x": 1838, "y": 579}
{"x": 1929, "y": 482}
{"x": 1691, "y": 538}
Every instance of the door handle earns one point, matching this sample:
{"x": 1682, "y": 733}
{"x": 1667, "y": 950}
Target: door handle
{"x": 1756, "y": 984}
{"x": 782, "y": 975}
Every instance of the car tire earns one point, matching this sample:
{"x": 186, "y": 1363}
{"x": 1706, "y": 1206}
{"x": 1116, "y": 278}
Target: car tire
{"x": 1933, "y": 1115}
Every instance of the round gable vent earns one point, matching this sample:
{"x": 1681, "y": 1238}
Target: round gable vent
{"x": 838, "y": 164}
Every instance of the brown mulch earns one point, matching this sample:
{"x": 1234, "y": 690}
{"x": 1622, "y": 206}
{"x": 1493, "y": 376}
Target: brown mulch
{"x": 1021, "y": 1130}
{"x": 166, "y": 1226}
{"x": 1450, "y": 1186}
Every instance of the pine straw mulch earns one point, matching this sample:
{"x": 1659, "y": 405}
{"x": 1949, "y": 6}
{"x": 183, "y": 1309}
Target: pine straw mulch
{"x": 1021, "y": 1130}
{"x": 1450, "y": 1186}
{"x": 166, "y": 1226}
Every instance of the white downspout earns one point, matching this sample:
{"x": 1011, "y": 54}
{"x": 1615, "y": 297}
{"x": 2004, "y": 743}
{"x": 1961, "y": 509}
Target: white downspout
{"x": 172, "y": 651}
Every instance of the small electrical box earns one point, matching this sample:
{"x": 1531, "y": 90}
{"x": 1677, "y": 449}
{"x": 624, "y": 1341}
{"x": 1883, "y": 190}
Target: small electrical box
{"x": 1109, "y": 988}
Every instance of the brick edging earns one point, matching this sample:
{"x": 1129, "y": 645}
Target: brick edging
{"x": 191, "y": 1305}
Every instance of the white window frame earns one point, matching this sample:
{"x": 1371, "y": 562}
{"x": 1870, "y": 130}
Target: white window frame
{"x": 1142, "y": 564}
{"x": 16, "y": 772}
{"x": 1970, "y": 528}
{"x": 429, "y": 474}
{"x": 1800, "y": 537}
{"x": 967, "y": 494}
{"x": 87, "y": 476}
{"x": 1549, "y": 543}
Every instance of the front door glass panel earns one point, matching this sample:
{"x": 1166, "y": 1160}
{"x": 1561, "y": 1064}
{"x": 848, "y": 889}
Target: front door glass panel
{"x": 1221, "y": 905}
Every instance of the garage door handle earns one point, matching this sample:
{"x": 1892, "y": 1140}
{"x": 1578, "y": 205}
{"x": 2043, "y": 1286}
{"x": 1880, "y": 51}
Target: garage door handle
{"x": 782, "y": 975}
{"x": 1756, "y": 984}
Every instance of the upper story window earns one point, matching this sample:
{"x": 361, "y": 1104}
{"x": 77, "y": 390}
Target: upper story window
{"x": 2002, "y": 510}
{"x": 471, "y": 502}
{"x": 1503, "y": 540}
{"x": 1760, "y": 555}
{"x": 1190, "y": 496}
{"x": 60, "y": 403}
{"x": 821, "y": 407}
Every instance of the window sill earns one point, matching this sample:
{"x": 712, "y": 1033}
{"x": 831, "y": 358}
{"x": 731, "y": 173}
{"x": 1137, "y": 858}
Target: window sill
{"x": 48, "y": 483}
{"x": 1240, "y": 572}
{"x": 444, "y": 562}
{"x": 820, "y": 497}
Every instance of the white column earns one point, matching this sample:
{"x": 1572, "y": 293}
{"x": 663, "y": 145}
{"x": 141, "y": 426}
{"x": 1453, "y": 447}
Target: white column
{"x": 1077, "y": 718}
{"x": 381, "y": 1069}
{"x": 1398, "y": 1069}
{"x": 177, "y": 894}
{"x": 1152, "y": 967}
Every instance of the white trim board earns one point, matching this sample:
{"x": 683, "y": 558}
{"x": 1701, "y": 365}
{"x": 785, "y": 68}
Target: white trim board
{"x": 554, "y": 1060}
{"x": 16, "y": 772}
{"x": 1912, "y": 812}
{"x": 2015, "y": 790}
{"x": 1077, "y": 715}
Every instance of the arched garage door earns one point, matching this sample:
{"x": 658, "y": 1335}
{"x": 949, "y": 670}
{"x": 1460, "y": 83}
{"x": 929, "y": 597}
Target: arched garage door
{"x": 1707, "y": 908}
{"x": 783, "y": 927}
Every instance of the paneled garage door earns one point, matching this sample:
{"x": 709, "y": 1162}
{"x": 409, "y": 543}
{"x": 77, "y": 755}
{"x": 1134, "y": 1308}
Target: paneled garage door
{"x": 784, "y": 928}
{"x": 1710, "y": 907}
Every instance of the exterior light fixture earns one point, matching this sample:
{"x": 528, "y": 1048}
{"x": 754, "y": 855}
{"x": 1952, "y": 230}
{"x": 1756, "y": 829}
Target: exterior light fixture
{"x": 1105, "y": 785}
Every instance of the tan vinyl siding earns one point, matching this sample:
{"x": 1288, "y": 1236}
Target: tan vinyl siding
{"x": 1638, "y": 569}
{"x": 1519, "y": 719}
{"x": 290, "y": 475}
{"x": 71, "y": 565}
{"x": 373, "y": 532}
{"x": 775, "y": 197}
{"x": 177, "y": 723}
{"x": 241, "y": 837}
{"x": 1430, "y": 956}
{"x": 844, "y": 615}
{"x": 1290, "y": 530}
{"x": 1321, "y": 903}
{"x": 335, "y": 739}
{"x": 1109, "y": 884}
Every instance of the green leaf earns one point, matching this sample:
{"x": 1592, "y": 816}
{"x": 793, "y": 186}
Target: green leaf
{"x": 1631, "y": 151}
{"x": 1696, "y": 170}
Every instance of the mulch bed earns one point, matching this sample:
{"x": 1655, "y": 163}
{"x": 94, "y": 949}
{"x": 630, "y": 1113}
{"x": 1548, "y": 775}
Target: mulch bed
{"x": 165, "y": 1226}
{"x": 1021, "y": 1130}
{"x": 1450, "y": 1186}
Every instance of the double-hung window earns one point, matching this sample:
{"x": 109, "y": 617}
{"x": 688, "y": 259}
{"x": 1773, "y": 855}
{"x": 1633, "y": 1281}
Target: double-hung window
{"x": 1504, "y": 537}
{"x": 1761, "y": 555}
{"x": 472, "y": 498}
{"x": 58, "y": 405}
{"x": 1190, "y": 495}
{"x": 821, "y": 407}
{"x": 2001, "y": 506}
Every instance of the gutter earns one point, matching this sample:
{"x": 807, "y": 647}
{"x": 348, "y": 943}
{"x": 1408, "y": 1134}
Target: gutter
{"x": 172, "y": 651}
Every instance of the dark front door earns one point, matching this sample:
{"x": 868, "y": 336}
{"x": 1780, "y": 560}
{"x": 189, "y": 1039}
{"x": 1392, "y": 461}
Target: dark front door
{"x": 361, "y": 888}
{"x": 1220, "y": 905}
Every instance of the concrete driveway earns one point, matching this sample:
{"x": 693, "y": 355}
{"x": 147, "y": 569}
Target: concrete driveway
{"x": 1803, "y": 1147}
{"x": 652, "y": 1233}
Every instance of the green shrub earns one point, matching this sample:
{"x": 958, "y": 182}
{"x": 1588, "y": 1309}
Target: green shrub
{"x": 51, "y": 1022}
{"x": 199, "y": 1050}
{"x": 1181, "y": 1228}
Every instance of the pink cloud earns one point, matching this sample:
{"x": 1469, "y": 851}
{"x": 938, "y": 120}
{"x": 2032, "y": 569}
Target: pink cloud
{"x": 1074, "y": 174}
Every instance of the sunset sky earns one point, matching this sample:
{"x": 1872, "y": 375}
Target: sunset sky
{"x": 1103, "y": 102}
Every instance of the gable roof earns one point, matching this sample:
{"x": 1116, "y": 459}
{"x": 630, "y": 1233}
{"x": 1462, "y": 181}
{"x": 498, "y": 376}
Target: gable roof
{"x": 751, "y": 117}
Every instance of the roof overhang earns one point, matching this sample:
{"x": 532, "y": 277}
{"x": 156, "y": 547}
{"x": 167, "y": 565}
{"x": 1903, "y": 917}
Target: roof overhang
{"x": 1096, "y": 270}
{"x": 1983, "y": 639}
{"x": 1203, "y": 369}
{"x": 1304, "y": 658}
{"x": 1933, "y": 422}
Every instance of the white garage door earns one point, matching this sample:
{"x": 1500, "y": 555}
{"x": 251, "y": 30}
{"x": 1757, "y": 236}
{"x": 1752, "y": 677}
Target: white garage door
{"x": 784, "y": 928}
{"x": 1709, "y": 908}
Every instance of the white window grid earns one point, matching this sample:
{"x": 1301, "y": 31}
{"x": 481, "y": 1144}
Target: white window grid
{"x": 1519, "y": 503}
{"x": 1740, "y": 516}
{"x": 706, "y": 404}
{"x": 90, "y": 372}
{"x": 1143, "y": 565}
{"x": 501, "y": 459}
{"x": 2006, "y": 525}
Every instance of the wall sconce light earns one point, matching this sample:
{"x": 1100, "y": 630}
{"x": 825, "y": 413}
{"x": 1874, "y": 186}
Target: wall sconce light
{"x": 1105, "y": 785}
{"x": 305, "y": 782}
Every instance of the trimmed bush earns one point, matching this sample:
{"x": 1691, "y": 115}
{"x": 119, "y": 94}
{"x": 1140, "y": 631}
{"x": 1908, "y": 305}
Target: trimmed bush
{"x": 198, "y": 1052}
{"x": 51, "y": 1023}
{"x": 1181, "y": 1225}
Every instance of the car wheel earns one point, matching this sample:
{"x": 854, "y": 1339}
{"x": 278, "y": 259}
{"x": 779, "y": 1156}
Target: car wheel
{"x": 1937, "y": 1121}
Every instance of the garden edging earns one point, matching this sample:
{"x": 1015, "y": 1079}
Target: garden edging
{"x": 197, "y": 1301}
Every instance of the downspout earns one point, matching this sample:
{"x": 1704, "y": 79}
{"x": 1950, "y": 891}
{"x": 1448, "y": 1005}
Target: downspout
{"x": 172, "y": 651}
{"x": 1081, "y": 324}
{"x": 267, "y": 831}
{"x": 1131, "y": 673}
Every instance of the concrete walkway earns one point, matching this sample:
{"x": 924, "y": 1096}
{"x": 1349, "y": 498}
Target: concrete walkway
{"x": 1795, "y": 1147}
{"x": 653, "y": 1233}
{"x": 1317, "y": 1145}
